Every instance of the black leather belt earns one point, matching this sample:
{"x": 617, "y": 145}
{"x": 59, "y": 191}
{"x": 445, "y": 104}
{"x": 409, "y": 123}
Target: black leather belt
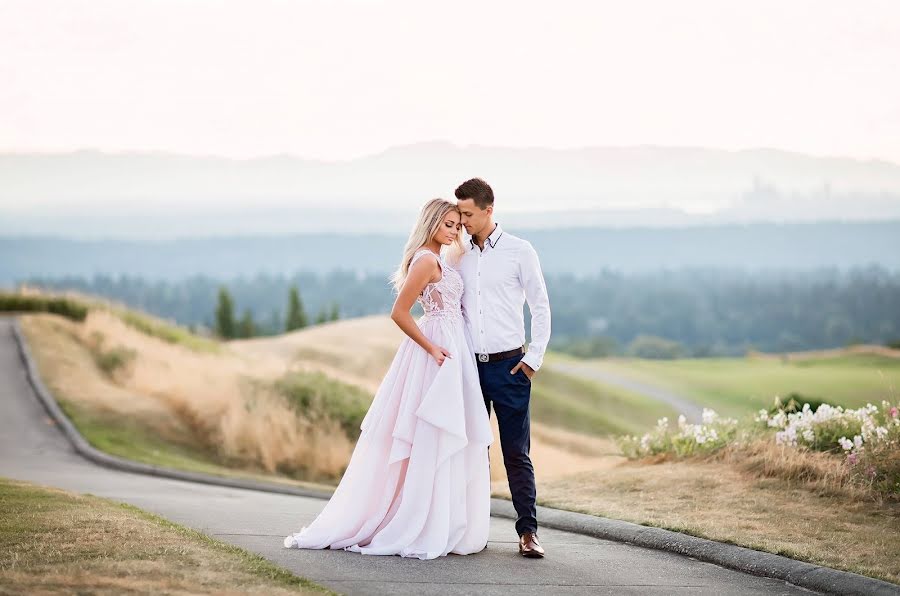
{"x": 500, "y": 355}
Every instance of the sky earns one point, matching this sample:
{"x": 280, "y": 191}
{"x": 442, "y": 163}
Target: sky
{"x": 335, "y": 80}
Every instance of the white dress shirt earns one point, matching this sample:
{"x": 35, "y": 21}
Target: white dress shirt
{"x": 497, "y": 281}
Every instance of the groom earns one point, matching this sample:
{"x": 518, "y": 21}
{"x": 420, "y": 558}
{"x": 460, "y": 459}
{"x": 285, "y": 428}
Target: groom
{"x": 500, "y": 272}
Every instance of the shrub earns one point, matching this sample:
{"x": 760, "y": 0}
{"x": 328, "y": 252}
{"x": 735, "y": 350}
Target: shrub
{"x": 113, "y": 360}
{"x": 709, "y": 436}
{"x": 879, "y": 465}
{"x": 172, "y": 334}
{"x": 794, "y": 403}
{"x": 316, "y": 397}
{"x": 589, "y": 347}
{"x": 865, "y": 440}
{"x": 825, "y": 429}
{"x": 66, "y": 307}
{"x": 659, "y": 348}
{"x": 869, "y": 437}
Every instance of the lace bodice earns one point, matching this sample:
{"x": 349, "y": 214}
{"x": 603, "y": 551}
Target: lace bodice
{"x": 441, "y": 299}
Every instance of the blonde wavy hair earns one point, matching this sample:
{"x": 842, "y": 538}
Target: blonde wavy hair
{"x": 430, "y": 219}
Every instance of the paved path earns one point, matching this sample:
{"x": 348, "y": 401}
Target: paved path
{"x": 595, "y": 371}
{"x": 31, "y": 448}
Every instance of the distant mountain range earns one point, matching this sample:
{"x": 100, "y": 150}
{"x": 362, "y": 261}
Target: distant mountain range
{"x": 576, "y": 251}
{"x": 88, "y": 194}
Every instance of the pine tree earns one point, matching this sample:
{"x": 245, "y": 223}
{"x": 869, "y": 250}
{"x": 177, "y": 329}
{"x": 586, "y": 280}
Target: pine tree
{"x": 225, "y": 325}
{"x": 296, "y": 318}
{"x": 335, "y": 311}
{"x": 247, "y": 327}
{"x": 322, "y": 317}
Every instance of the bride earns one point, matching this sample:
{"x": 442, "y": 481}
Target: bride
{"x": 418, "y": 483}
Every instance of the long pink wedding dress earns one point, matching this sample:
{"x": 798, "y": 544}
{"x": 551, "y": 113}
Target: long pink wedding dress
{"x": 418, "y": 483}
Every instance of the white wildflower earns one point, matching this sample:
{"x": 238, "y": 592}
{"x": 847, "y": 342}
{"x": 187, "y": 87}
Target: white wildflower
{"x": 779, "y": 420}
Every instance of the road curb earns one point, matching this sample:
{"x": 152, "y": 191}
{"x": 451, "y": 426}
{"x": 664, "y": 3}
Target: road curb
{"x": 798, "y": 573}
{"x": 86, "y": 450}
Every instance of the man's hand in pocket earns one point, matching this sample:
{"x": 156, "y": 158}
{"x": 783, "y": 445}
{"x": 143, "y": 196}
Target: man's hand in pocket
{"x": 529, "y": 372}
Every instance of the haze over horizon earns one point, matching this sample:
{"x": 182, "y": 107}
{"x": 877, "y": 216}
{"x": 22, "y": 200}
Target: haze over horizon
{"x": 157, "y": 195}
{"x": 273, "y": 117}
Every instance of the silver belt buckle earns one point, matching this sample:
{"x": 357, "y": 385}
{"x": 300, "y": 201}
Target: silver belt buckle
{"x": 482, "y": 358}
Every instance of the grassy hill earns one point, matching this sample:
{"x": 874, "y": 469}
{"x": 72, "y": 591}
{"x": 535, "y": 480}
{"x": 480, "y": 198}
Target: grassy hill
{"x": 359, "y": 351}
{"x": 287, "y": 407}
{"x": 736, "y": 386}
{"x": 154, "y": 393}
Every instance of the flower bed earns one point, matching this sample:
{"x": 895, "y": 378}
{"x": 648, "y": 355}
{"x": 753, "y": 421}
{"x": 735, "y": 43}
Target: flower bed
{"x": 867, "y": 439}
{"x": 709, "y": 436}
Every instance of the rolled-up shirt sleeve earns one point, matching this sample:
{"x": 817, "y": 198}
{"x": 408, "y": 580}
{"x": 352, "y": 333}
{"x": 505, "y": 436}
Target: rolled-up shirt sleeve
{"x": 532, "y": 279}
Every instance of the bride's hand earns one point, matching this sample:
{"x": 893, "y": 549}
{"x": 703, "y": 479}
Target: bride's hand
{"x": 439, "y": 353}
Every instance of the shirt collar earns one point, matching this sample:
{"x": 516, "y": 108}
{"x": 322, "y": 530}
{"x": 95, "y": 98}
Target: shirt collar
{"x": 490, "y": 240}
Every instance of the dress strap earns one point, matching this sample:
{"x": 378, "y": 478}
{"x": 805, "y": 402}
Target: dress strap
{"x": 422, "y": 252}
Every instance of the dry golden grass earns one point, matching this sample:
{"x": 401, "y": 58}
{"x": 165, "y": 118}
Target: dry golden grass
{"x": 757, "y": 496}
{"x": 762, "y": 498}
{"x": 54, "y": 542}
{"x": 220, "y": 401}
{"x": 359, "y": 351}
{"x": 819, "y": 472}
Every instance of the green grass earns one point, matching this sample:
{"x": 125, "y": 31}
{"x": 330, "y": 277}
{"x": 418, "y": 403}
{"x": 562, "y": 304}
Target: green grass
{"x": 77, "y": 310}
{"x": 131, "y": 439}
{"x": 110, "y": 361}
{"x": 737, "y": 386}
{"x": 52, "y": 541}
{"x": 167, "y": 332}
{"x": 66, "y": 307}
{"x": 581, "y": 405}
{"x": 318, "y": 397}
{"x": 558, "y": 399}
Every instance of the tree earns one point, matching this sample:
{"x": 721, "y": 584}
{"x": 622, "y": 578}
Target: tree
{"x": 335, "y": 311}
{"x": 225, "y": 325}
{"x": 296, "y": 318}
{"x": 322, "y": 317}
{"x": 650, "y": 346}
{"x": 247, "y": 327}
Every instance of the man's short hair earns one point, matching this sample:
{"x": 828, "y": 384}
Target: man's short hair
{"x": 478, "y": 190}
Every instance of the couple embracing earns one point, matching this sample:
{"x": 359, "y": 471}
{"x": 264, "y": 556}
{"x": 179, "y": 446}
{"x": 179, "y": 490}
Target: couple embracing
{"x": 418, "y": 482}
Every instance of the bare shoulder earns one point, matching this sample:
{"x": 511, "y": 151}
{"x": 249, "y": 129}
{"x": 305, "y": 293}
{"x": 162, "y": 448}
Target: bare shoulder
{"x": 425, "y": 265}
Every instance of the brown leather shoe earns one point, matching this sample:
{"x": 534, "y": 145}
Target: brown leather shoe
{"x": 529, "y": 546}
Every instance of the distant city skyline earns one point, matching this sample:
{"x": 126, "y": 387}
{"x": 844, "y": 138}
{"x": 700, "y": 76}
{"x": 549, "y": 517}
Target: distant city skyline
{"x": 342, "y": 80}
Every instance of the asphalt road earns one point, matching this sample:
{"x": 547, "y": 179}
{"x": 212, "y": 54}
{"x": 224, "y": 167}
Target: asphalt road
{"x": 32, "y": 449}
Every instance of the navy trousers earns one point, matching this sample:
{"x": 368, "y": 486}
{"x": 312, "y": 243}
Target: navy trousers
{"x": 510, "y": 396}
